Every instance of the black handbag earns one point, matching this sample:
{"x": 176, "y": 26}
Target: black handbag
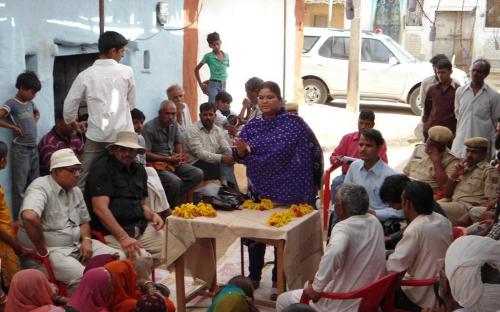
{"x": 226, "y": 199}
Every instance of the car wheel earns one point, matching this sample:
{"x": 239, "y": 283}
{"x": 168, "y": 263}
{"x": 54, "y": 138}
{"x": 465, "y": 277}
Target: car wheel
{"x": 414, "y": 101}
{"x": 315, "y": 91}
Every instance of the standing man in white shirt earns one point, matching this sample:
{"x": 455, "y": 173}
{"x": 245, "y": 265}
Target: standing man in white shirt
{"x": 354, "y": 258}
{"x": 477, "y": 109}
{"x": 109, "y": 90}
{"x": 425, "y": 240}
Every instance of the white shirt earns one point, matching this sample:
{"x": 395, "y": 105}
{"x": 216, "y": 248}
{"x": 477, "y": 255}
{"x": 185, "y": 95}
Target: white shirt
{"x": 354, "y": 258}
{"x": 109, "y": 90}
{"x": 425, "y": 240}
{"x": 186, "y": 118}
{"x": 204, "y": 145}
{"x": 476, "y": 116}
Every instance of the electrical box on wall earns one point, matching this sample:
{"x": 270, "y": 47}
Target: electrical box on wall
{"x": 162, "y": 12}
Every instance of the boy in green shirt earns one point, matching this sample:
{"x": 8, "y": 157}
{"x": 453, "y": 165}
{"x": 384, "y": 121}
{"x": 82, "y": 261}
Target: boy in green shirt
{"x": 217, "y": 62}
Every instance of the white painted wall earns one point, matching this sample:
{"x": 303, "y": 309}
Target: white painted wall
{"x": 252, "y": 35}
{"x": 30, "y": 26}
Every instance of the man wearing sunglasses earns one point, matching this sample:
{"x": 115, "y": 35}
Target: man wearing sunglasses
{"x": 55, "y": 221}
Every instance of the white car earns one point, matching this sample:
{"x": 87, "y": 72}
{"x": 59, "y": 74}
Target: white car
{"x": 388, "y": 71}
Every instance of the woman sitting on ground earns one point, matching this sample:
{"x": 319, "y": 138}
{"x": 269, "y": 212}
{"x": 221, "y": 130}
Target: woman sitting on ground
{"x": 125, "y": 292}
{"x": 30, "y": 291}
{"x": 236, "y": 296}
{"x": 93, "y": 292}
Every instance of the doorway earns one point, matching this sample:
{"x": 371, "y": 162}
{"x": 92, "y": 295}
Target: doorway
{"x": 66, "y": 68}
{"x": 454, "y": 32}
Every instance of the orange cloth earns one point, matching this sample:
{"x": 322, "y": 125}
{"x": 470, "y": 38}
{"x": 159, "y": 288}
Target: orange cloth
{"x": 10, "y": 262}
{"x": 170, "y": 305}
{"x": 29, "y": 291}
{"x": 124, "y": 280}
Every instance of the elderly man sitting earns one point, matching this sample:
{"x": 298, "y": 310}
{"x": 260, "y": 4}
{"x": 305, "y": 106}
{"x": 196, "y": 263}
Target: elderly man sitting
{"x": 116, "y": 190}
{"x": 424, "y": 241}
{"x": 472, "y": 184}
{"x": 354, "y": 258}
{"x": 55, "y": 220}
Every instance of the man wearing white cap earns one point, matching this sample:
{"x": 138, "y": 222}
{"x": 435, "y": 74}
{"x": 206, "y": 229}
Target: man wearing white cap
{"x": 116, "y": 190}
{"x": 55, "y": 220}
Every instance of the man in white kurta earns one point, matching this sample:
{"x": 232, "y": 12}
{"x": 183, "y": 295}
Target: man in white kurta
{"x": 477, "y": 108}
{"x": 354, "y": 258}
{"x": 424, "y": 241}
{"x": 464, "y": 266}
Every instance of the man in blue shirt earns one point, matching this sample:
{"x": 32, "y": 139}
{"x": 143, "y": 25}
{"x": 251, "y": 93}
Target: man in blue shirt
{"x": 370, "y": 172}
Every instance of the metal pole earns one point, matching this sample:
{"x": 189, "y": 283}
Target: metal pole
{"x": 354, "y": 60}
{"x": 101, "y": 16}
{"x": 330, "y": 7}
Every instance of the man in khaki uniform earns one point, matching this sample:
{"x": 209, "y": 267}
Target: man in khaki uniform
{"x": 432, "y": 162}
{"x": 473, "y": 183}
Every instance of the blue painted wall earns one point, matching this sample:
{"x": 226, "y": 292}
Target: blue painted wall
{"x": 31, "y": 26}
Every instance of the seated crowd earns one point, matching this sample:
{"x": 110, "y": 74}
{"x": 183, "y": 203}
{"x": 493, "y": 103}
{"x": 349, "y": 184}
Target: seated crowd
{"x": 97, "y": 212}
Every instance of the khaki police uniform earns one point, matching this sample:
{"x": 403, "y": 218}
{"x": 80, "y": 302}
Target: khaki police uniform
{"x": 421, "y": 168}
{"x": 477, "y": 185}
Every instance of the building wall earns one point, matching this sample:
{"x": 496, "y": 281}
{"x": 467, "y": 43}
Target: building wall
{"x": 417, "y": 37}
{"x": 318, "y": 9}
{"x": 31, "y": 26}
{"x": 252, "y": 33}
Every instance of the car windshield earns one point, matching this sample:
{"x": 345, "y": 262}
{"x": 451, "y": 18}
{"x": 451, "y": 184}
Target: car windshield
{"x": 309, "y": 42}
{"x": 401, "y": 52}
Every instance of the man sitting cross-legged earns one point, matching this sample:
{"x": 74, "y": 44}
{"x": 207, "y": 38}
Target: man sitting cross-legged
{"x": 208, "y": 148}
{"x": 116, "y": 190}
{"x": 55, "y": 221}
{"x": 354, "y": 258}
{"x": 164, "y": 150}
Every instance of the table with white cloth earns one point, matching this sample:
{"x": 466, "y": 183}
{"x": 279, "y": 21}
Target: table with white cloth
{"x": 190, "y": 244}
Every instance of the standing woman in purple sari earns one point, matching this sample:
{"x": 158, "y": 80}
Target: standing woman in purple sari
{"x": 284, "y": 162}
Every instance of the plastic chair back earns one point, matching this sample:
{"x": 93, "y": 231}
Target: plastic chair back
{"x": 371, "y": 296}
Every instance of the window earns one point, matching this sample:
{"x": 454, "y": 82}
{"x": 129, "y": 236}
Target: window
{"x": 309, "y": 42}
{"x": 335, "y": 47}
{"x": 492, "y": 13}
{"x": 373, "y": 50}
{"x": 146, "y": 60}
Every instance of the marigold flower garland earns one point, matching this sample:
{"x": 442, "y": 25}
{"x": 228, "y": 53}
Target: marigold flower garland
{"x": 279, "y": 219}
{"x": 191, "y": 211}
{"x": 265, "y": 204}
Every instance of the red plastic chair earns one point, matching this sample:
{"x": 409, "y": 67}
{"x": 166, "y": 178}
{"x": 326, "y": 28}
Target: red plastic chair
{"x": 389, "y": 299}
{"x": 63, "y": 288}
{"x": 327, "y": 194}
{"x": 371, "y": 296}
{"x": 100, "y": 237}
{"x": 459, "y": 231}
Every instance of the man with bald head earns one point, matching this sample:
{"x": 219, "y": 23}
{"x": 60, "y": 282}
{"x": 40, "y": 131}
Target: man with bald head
{"x": 164, "y": 151}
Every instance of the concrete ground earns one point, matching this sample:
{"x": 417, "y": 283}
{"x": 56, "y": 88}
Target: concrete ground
{"x": 329, "y": 122}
